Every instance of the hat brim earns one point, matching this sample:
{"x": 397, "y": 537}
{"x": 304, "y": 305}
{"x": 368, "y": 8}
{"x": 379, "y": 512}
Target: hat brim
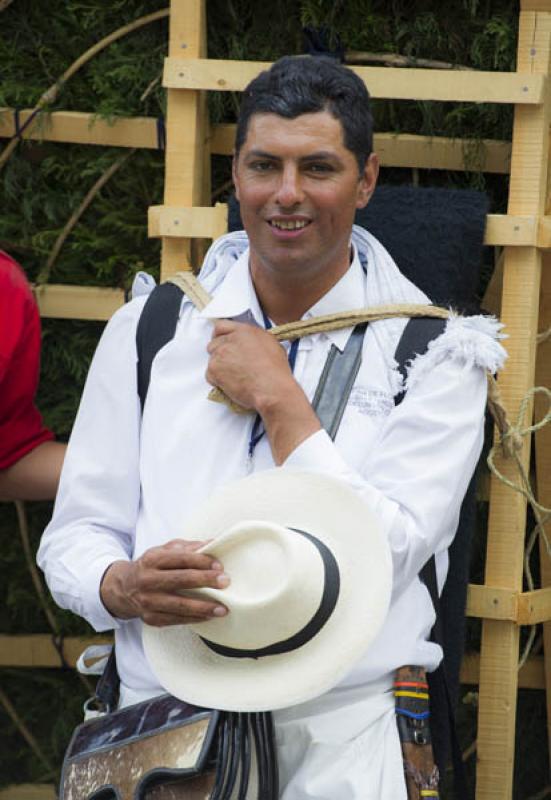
{"x": 326, "y": 507}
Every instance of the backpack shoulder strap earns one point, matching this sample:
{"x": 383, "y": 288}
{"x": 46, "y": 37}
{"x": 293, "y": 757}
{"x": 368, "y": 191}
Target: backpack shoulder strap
{"x": 156, "y": 327}
{"x": 416, "y": 337}
{"x": 158, "y": 320}
{"x": 337, "y": 379}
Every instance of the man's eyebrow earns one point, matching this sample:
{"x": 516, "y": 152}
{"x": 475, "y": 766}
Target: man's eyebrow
{"x": 262, "y": 154}
{"x": 319, "y": 155}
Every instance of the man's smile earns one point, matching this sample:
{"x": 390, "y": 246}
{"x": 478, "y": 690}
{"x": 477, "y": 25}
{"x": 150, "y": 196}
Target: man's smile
{"x": 288, "y": 227}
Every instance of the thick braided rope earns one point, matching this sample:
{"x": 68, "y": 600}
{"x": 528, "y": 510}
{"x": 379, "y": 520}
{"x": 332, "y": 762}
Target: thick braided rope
{"x": 193, "y": 289}
{"x": 334, "y": 322}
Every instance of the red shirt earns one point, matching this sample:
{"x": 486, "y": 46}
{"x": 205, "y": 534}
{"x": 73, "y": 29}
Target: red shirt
{"x": 21, "y": 428}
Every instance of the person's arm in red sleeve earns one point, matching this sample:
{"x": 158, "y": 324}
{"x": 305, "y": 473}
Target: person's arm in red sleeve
{"x": 30, "y": 461}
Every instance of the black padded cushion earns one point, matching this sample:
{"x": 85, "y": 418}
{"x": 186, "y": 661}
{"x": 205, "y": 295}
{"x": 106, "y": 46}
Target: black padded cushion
{"x": 434, "y": 235}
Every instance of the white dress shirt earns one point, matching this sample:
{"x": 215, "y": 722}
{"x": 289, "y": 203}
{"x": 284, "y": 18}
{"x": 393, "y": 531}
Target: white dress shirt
{"x": 131, "y": 482}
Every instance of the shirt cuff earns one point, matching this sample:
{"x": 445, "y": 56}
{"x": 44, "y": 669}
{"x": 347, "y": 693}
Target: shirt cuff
{"x": 96, "y": 613}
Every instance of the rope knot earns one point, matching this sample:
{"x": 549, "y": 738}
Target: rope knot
{"x": 510, "y": 441}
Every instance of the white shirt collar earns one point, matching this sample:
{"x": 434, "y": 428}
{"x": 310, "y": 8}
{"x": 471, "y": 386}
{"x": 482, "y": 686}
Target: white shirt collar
{"x": 236, "y": 298}
{"x": 347, "y": 294}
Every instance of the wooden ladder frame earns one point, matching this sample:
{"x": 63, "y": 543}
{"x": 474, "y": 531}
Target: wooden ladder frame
{"x": 524, "y": 234}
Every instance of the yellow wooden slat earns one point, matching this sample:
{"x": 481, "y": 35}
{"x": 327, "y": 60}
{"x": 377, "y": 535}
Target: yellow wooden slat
{"x": 399, "y": 84}
{"x": 99, "y": 303}
{"x": 78, "y": 302}
{"x": 491, "y": 603}
{"x": 409, "y": 150}
{"x": 507, "y": 517}
{"x": 501, "y": 229}
{"x": 186, "y": 130}
{"x": 523, "y": 608}
{"x": 29, "y": 791}
{"x": 534, "y": 607}
{"x": 543, "y": 463}
{"x": 395, "y": 150}
{"x": 171, "y": 221}
{"x": 530, "y": 676}
{"x": 518, "y": 231}
{"x": 438, "y": 152}
{"x": 535, "y": 5}
{"x": 38, "y": 650}
{"x": 544, "y": 233}
{"x": 79, "y": 127}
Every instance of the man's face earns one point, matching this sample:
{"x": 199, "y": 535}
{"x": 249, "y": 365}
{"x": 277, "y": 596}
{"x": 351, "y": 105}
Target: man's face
{"x": 298, "y": 188}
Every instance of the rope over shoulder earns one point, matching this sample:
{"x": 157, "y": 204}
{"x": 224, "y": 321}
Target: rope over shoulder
{"x": 291, "y": 331}
{"x": 510, "y": 438}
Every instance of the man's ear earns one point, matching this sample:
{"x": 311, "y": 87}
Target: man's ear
{"x": 368, "y": 181}
{"x": 234, "y": 174}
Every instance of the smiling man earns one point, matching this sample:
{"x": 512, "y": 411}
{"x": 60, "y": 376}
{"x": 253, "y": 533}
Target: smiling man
{"x": 119, "y": 550}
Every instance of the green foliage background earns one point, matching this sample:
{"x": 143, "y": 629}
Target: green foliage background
{"x": 44, "y": 182}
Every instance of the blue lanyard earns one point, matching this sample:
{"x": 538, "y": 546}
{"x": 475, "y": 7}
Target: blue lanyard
{"x": 258, "y": 431}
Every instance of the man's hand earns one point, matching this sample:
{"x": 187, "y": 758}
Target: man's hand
{"x": 248, "y": 364}
{"x": 153, "y": 587}
{"x": 251, "y": 367}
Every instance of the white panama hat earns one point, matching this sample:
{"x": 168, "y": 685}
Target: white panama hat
{"x": 310, "y": 588}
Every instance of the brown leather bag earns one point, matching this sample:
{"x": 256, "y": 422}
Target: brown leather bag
{"x": 165, "y": 749}
{"x": 133, "y": 750}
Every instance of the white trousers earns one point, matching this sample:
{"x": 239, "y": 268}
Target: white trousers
{"x": 343, "y": 745}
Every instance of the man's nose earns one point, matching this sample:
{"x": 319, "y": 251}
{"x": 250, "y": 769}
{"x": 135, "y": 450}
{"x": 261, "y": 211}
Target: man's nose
{"x": 289, "y": 190}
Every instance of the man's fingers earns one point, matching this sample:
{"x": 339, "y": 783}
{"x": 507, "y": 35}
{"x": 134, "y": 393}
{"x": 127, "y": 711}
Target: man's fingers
{"x": 163, "y": 620}
{"x": 217, "y": 343}
{"x": 174, "y": 556}
{"x": 223, "y": 326}
{"x": 177, "y": 580}
{"x": 160, "y": 608}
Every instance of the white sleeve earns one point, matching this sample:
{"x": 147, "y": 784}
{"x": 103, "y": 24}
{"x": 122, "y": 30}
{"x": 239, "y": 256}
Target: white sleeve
{"x": 416, "y": 476}
{"x": 96, "y": 508}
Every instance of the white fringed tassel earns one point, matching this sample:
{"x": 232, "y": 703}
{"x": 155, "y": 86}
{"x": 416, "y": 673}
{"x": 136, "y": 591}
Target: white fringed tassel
{"x": 473, "y": 341}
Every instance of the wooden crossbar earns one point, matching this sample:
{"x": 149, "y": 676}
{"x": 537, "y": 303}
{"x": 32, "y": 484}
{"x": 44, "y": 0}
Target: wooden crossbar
{"x": 195, "y": 222}
{"x": 394, "y": 150}
{"x": 383, "y": 82}
{"x": 100, "y": 303}
{"x": 486, "y": 602}
{"x": 37, "y": 651}
{"x": 79, "y": 127}
{"x": 78, "y": 302}
{"x": 410, "y": 150}
{"x": 29, "y": 791}
{"x": 209, "y": 222}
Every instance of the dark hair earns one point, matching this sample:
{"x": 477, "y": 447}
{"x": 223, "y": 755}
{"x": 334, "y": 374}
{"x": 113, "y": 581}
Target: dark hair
{"x": 297, "y": 85}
